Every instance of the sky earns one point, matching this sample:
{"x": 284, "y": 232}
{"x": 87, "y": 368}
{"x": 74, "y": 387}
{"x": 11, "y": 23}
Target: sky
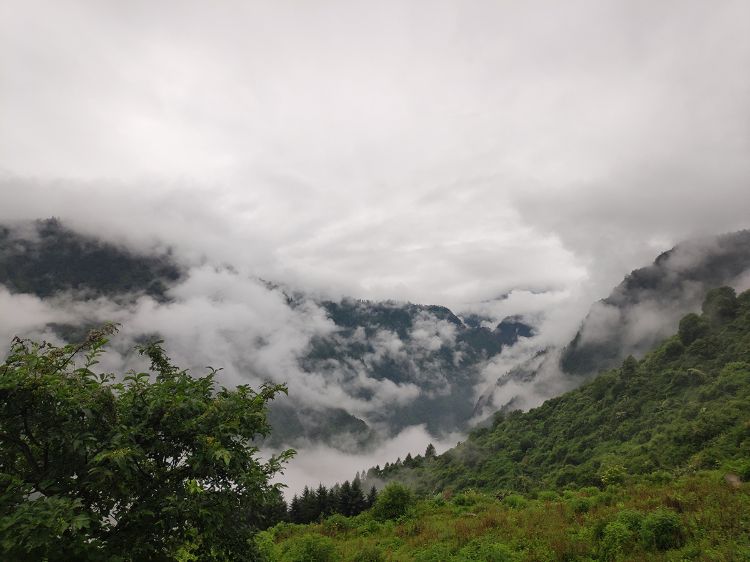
{"x": 432, "y": 151}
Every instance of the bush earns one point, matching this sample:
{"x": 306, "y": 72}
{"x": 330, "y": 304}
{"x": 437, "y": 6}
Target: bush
{"x": 613, "y": 474}
{"x": 336, "y": 524}
{"x": 394, "y": 501}
{"x": 662, "y": 530}
{"x": 616, "y": 541}
{"x": 309, "y": 548}
{"x": 435, "y": 553}
{"x": 487, "y": 551}
{"x": 266, "y": 546}
{"x": 580, "y": 505}
{"x": 691, "y": 328}
{"x": 515, "y": 501}
{"x": 369, "y": 553}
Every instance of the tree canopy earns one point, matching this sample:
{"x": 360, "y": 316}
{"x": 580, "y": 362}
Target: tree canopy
{"x": 156, "y": 465}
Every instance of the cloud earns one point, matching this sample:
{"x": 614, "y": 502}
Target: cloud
{"x": 318, "y": 464}
{"x": 433, "y": 152}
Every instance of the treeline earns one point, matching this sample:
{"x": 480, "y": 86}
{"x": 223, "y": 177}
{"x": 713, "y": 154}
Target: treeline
{"x": 390, "y": 469}
{"x": 683, "y": 407}
{"x": 347, "y": 499}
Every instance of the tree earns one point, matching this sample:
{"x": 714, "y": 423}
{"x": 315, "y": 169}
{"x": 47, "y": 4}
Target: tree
{"x": 392, "y": 502}
{"x": 156, "y": 467}
{"x": 371, "y": 497}
{"x": 691, "y": 328}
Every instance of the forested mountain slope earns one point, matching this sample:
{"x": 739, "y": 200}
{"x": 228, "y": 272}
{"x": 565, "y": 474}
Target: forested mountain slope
{"x": 649, "y": 461}
{"x": 639, "y": 313}
{"x": 684, "y": 406}
{"x": 645, "y": 307}
{"x": 44, "y": 258}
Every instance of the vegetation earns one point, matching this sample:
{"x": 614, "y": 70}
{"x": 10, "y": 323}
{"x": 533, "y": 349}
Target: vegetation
{"x": 677, "y": 280}
{"x": 45, "y": 258}
{"x": 159, "y": 466}
{"x": 646, "y": 462}
{"x": 685, "y": 406}
{"x": 345, "y": 499}
{"x": 693, "y": 517}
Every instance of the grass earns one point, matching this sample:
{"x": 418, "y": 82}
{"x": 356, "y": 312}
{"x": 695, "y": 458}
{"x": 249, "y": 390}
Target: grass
{"x": 697, "y": 517}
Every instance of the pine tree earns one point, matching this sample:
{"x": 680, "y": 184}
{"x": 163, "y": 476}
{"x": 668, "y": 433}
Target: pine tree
{"x": 357, "y": 498}
{"x": 295, "y": 512}
{"x": 323, "y": 498}
{"x": 345, "y": 499}
{"x": 371, "y": 497}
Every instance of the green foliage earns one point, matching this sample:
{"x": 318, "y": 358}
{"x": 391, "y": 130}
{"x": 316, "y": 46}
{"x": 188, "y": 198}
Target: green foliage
{"x": 616, "y": 541}
{"x": 160, "y": 466}
{"x": 662, "y": 530}
{"x": 309, "y": 548}
{"x": 691, "y": 328}
{"x": 515, "y": 501}
{"x": 394, "y": 501}
{"x": 720, "y": 305}
{"x": 370, "y": 553}
{"x": 681, "y": 407}
{"x": 613, "y": 474}
{"x": 612, "y": 471}
{"x": 692, "y": 517}
{"x": 487, "y": 551}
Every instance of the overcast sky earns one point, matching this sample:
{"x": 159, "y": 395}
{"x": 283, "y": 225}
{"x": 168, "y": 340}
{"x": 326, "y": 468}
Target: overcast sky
{"x": 435, "y": 151}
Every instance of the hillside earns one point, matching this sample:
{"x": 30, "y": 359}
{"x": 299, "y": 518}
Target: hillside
{"x": 646, "y": 306}
{"x": 640, "y": 312}
{"x": 645, "y": 462}
{"x": 45, "y": 257}
{"x": 684, "y": 406}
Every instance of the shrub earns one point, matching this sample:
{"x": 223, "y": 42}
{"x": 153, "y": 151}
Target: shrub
{"x": 515, "y": 501}
{"x": 151, "y": 465}
{"x": 691, "y": 328}
{"x": 617, "y": 540}
{"x": 438, "y": 552}
{"x": 393, "y": 501}
{"x": 267, "y": 549}
{"x": 547, "y": 496}
{"x": 309, "y": 548}
{"x": 580, "y": 505}
{"x": 662, "y": 530}
{"x": 614, "y": 474}
{"x": 673, "y": 349}
{"x": 336, "y": 524}
{"x": 369, "y": 553}
{"x": 487, "y": 551}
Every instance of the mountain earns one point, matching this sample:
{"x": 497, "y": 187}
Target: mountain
{"x": 685, "y": 406}
{"x": 646, "y": 306}
{"x": 425, "y": 348}
{"x": 648, "y": 461}
{"x": 425, "y": 356}
{"x": 641, "y": 311}
{"x": 45, "y": 258}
